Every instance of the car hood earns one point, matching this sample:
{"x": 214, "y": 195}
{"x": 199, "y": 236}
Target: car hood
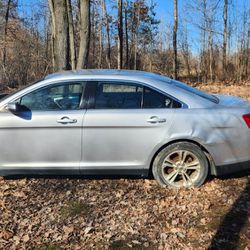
{"x": 232, "y": 101}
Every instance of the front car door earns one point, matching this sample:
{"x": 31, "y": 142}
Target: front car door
{"x": 45, "y": 134}
{"x": 126, "y": 124}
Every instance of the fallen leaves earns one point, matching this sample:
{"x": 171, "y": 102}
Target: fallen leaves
{"x": 5, "y": 234}
{"x": 26, "y": 238}
{"x": 68, "y": 229}
{"x": 99, "y": 214}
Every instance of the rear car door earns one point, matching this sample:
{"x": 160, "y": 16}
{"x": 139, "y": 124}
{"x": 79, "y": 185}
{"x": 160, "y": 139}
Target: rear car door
{"x": 45, "y": 135}
{"x": 124, "y": 126}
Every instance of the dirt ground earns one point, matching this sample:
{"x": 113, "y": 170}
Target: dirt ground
{"x": 77, "y": 213}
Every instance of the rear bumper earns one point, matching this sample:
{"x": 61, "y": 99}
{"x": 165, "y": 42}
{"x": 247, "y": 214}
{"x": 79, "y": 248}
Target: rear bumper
{"x": 232, "y": 168}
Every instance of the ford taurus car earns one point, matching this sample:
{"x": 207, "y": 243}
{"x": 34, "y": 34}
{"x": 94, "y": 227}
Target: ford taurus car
{"x": 92, "y": 122}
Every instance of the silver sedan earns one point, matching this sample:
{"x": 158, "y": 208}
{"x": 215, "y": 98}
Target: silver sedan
{"x": 123, "y": 122}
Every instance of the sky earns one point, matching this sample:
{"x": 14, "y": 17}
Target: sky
{"x": 188, "y": 17}
{"x": 165, "y": 12}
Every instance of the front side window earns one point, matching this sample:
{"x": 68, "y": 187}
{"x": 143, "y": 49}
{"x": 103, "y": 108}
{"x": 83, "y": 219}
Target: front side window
{"x": 56, "y": 97}
{"x": 115, "y": 95}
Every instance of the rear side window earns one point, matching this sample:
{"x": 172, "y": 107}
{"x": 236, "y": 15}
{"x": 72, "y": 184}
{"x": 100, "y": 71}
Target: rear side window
{"x": 118, "y": 96}
{"x": 154, "y": 99}
{"x": 114, "y": 95}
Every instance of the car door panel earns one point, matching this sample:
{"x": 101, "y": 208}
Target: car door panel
{"x": 122, "y": 139}
{"x": 118, "y": 133}
{"x": 39, "y": 139}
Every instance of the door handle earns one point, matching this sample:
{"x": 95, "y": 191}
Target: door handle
{"x": 156, "y": 119}
{"x": 66, "y": 120}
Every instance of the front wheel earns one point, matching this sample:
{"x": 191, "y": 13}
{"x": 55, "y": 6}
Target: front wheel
{"x": 179, "y": 165}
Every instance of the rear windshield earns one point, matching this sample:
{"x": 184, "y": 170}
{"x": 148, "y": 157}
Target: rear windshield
{"x": 187, "y": 88}
{"x": 195, "y": 91}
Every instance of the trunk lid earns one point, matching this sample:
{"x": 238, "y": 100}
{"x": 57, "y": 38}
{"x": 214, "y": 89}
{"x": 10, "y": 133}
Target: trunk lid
{"x": 232, "y": 101}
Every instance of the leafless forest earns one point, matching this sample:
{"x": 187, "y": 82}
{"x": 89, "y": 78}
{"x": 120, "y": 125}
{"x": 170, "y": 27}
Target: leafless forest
{"x": 69, "y": 34}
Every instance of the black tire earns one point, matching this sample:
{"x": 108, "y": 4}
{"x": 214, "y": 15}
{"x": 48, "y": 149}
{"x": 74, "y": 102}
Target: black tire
{"x": 199, "y": 175}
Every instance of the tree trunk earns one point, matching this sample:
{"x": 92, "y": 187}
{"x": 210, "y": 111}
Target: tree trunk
{"x": 60, "y": 29}
{"x": 247, "y": 69}
{"x": 53, "y": 32}
{"x": 108, "y": 57}
{"x": 84, "y": 34}
{"x": 120, "y": 35}
{"x": 185, "y": 49}
{"x": 93, "y": 35}
{"x": 71, "y": 35}
{"x": 136, "y": 20}
{"x": 175, "y": 62}
{"x": 210, "y": 42}
{"x": 100, "y": 37}
{"x": 126, "y": 35}
{"x": 6, "y": 31}
{"x": 225, "y": 16}
{"x": 204, "y": 44}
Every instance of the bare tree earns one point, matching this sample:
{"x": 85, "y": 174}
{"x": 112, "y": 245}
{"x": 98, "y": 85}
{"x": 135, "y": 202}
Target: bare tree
{"x": 120, "y": 34}
{"x": 58, "y": 9}
{"x": 31, "y": 45}
{"x": 247, "y": 68}
{"x": 185, "y": 51}
{"x": 84, "y": 34}
{"x": 93, "y": 47}
{"x": 6, "y": 31}
{"x": 108, "y": 56}
{"x": 225, "y": 17}
{"x": 53, "y": 33}
{"x": 100, "y": 36}
{"x": 126, "y": 33}
{"x": 175, "y": 29}
{"x": 135, "y": 27}
{"x": 204, "y": 42}
{"x": 71, "y": 35}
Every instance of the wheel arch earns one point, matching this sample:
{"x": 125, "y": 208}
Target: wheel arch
{"x": 211, "y": 165}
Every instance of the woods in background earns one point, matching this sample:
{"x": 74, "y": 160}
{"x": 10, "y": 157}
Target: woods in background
{"x": 57, "y": 35}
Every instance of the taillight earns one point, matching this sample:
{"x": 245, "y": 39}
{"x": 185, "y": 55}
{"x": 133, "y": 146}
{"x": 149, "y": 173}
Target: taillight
{"x": 247, "y": 119}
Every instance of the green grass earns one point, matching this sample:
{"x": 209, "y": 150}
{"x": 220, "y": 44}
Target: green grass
{"x": 75, "y": 208}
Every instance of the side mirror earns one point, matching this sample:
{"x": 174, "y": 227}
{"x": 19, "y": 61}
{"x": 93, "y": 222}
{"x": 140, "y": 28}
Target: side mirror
{"x": 12, "y": 107}
{"x": 19, "y": 110}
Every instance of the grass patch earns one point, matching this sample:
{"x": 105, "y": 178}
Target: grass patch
{"x": 75, "y": 208}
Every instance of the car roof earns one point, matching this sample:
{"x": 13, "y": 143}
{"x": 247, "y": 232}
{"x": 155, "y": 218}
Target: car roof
{"x": 103, "y": 72}
{"x": 154, "y": 80}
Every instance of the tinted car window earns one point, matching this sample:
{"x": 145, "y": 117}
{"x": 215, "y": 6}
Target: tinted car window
{"x": 118, "y": 96}
{"x": 59, "y": 97}
{"x": 131, "y": 96}
{"x": 154, "y": 99}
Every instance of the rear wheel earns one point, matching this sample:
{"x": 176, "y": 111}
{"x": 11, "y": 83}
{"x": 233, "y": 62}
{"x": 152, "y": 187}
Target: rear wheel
{"x": 181, "y": 164}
